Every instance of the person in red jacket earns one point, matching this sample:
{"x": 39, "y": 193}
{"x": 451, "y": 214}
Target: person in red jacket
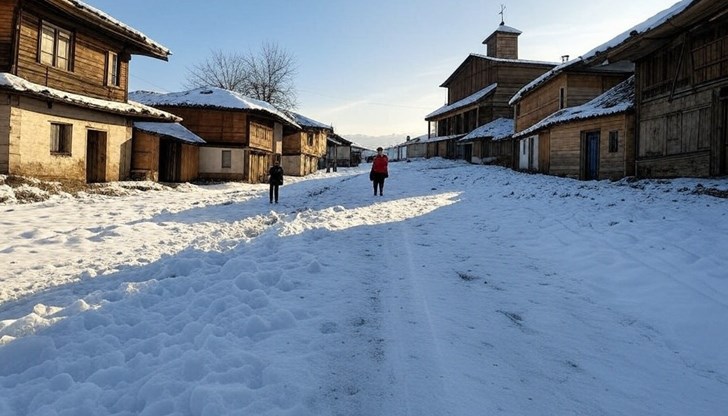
{"x": 379, "y": 171}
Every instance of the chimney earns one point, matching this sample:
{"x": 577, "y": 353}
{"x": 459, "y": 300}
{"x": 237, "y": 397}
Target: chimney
{"x": 564, "y": 58}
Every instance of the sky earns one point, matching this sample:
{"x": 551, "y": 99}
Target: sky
{"x": 369, "y": 68}
{"x": 464, "y": 290}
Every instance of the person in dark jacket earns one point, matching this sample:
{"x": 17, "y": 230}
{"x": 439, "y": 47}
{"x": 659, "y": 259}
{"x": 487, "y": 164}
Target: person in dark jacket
{"x": 379, "y": 171}
{"x": 275, "y": 174}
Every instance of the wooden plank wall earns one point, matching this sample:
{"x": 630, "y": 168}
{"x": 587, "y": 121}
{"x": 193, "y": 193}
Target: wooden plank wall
{"x": 261, "y": 135}
{"x": 145, "y": 155}
{"x": 7, "y": 9}
{"x": 566, "y": 154}
{"x": 88, "y": 73}
{"x": 190, "y": 163}
{"x": 478, "y": 73}
{"x": 215, "y": 126}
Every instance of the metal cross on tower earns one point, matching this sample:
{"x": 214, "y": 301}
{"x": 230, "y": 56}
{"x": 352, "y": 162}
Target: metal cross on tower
{"x": 502, "y": 13}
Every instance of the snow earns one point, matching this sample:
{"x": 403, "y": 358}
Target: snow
{"x": 83, "y": 7}
{"x": 130, "y": 108}
{"x": 304, "y": 121}
{"x": 498, "y": 129}
{"x": 175, "y": 130}
{"x": 507, "y": 29}
{"x": 616, "y": 100}
{"x": 469, "y": 100}
{"x": 434, "y": 139}
{"x": 209, "y": 97}
{"x": 653, "y": 22}
{"x": 464, "y": 290}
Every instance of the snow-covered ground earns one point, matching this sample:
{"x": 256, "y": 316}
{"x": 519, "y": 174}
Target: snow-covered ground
{"x": 464, "y": 290}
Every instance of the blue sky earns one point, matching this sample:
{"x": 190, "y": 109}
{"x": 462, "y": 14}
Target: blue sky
{"x": 367, "y": 67}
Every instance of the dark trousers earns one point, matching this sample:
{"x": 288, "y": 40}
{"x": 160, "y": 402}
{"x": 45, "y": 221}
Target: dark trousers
{"x": 378, "y": 182}
{"x": 273, "y": 193}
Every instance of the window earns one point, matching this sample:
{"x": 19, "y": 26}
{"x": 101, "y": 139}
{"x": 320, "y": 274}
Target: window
{"x": 55, "y": 47}
{"x": 227, "y": 159}
{"x": 112, "y": 69}
{"x": 562, "y": 98}
{"x": 613, "y": 141}
{"x": 310, "y": 139}
{"x": 60, "y": 139}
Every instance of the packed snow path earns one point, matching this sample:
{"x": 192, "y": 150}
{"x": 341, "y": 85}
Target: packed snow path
{"x": 464, "y": 290}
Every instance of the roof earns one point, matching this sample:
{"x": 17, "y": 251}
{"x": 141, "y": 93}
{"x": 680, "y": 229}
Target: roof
{"x": 650, "y": 24}
{"x": 210, "y": 97}
{"x": 338, "y": 140}
{"x": 138, "y": 42}
{"x": 619, "y": 99}
{"x": 660, "y": 19}
{"x": 503, "y": 28}
{"x": 175, "y": 130}
{"x": 498, "y": 129}
{"x": 498, "y": 60}
{"x": 434, "y": 139}
{"x": 132, "y": 109}
{"x": 469, "y": 100}
{"x": 304, "y": 121}
{"x": 576, "y": 64}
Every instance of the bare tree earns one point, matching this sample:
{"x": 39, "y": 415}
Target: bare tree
{"x": 267, "y": 75}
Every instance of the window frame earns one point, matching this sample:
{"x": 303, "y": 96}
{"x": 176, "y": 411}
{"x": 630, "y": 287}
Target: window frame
{"x": 61, "y": 136}
{"x": 53, "y": 57}
{"x": 226, "y": 159}
{"x": 614, "y": 141}
{"x": 309, "y": 138}
{"x": 113, "y": 69}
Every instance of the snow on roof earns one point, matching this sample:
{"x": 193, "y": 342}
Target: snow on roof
{"x": 304, "y": 121}
{"x": 513, "y": 61}
{"x": 497, "y": 129}
{"x": 83, "y": 7}
{"x": 438, "y": 138}
{"x": 494, "y": 59}
{"x": 471, "y": 99}
{"x": 507, "y": 29}
{"x": 542, "y": 78}
{"x": 15, "y": 83}
{"x": 616, "y": 100}
{"x": 209, "y": 97}
{"x": 649, "y": 24}
{"x": 175, "y": 130}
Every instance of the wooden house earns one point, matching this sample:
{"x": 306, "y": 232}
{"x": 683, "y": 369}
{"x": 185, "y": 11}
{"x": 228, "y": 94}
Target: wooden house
{"x": 341, "y": 152}
{"x": 478, "y": 91}
{"x": 304, "y": 147}
{"x": 417, "y": 147}
{"x": 681, "y": 99}
{"x": 570, "y": 84}
{"x": 64, "y": 69}
{"x": 239, "y": 132}
{"x": 590, "y": 141}
{"x": 164, "y": 152}
{"x": 490, "y": 143}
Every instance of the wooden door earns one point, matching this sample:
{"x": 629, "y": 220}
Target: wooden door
{"x": 170, "y": 157}
{"x": 95, "y": 156}
{"x": 591, "y": 155}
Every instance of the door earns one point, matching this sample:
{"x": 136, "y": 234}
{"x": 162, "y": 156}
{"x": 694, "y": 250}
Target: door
{"x": 95, "y": 156}
{"x": 169, "y": 160}
{"x": 468, "y": 152}
{"x": 591, "y": 155}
